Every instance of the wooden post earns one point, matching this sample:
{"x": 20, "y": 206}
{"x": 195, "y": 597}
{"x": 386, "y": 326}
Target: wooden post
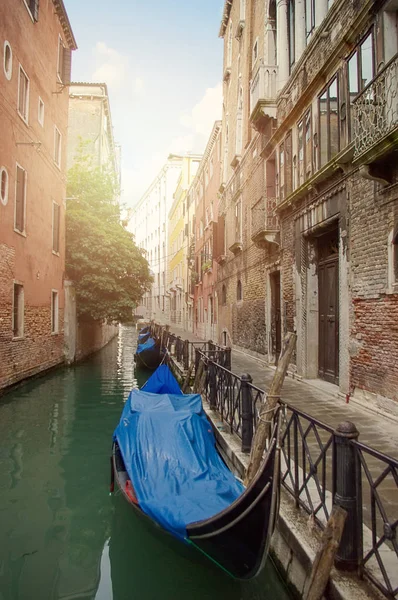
{"x": 198, "y": 375}
{"x": 267, "y": 409}
{"x": 188, "y": 378}
{"x": 323, "y": 562}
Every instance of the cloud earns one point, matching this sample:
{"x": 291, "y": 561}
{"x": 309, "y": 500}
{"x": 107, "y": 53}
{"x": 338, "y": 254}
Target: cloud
{"x": 112, "y": 67}
{"x": 138, "y": 86}
{"x": 205, "y": 112}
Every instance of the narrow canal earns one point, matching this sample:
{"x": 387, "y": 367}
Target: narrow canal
{"x": 62, "y": 535}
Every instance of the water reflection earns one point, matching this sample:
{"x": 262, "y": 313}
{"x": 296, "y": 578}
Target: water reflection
{"x": 61, "y": 535}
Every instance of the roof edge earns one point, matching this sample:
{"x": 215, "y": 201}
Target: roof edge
{"x": 65, "y": 23}
{"x": 225, "y": 17}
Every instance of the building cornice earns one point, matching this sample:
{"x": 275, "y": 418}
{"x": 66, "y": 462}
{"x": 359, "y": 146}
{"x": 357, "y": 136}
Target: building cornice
{"x": 66, "y": 26}
{"x": 225, "y": 17}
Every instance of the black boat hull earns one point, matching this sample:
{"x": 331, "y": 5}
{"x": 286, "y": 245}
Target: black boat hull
{"x": 238, "y": 538}
{"x": 148, "y": 359}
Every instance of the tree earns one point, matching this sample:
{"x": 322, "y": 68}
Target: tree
{"x": 109, "y": 271}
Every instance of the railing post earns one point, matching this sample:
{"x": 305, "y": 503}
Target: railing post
{"x": 212, "y": 386}
{"x": 247, "y": 412}
{"x": 227, "y": 361}
{"x": 197, "y": 360}
{"x": 186, "y": 354}
{"x": 348, "y": 496}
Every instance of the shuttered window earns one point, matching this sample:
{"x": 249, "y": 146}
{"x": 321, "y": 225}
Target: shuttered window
{"x": 23, "y": 94}
{"x": 56, "y": 222}
{"x": 64, "y": 65}
{"x": 20, "y": 198}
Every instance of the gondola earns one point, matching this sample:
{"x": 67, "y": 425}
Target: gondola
{"x": 166, "y": 464}
{"x": 148, "y": 354}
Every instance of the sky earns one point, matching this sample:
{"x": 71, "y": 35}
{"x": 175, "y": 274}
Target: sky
{"x": 162, "y": 62}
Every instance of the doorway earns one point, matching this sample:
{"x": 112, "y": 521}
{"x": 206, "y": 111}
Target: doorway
{"x": 328, "y": 286}
{"x": 276, "y": 324}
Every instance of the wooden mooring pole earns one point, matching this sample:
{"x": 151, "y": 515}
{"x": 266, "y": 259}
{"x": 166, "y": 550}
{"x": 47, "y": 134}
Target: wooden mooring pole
{"x": 263, "y": 429}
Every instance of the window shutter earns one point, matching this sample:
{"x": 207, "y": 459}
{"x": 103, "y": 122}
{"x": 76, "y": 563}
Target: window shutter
{"x": 215, "y": 250}
{"x": 56, "y": 228}
{"x": 34, "y": 9}
{"x": 19, "y": 200}
{"x": 66, "y": 66}
{"x": 220, "y": 235}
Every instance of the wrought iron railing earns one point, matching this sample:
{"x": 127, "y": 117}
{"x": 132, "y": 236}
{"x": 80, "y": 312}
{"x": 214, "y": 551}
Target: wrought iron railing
{"x": 375, "y": 109}
{"x": 321, "y": 466}
{"x": 263, "y": 217}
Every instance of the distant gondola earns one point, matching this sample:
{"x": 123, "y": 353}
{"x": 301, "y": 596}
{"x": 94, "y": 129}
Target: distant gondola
{"x": 166, "y": 464}
{"x": 148, "y": 354}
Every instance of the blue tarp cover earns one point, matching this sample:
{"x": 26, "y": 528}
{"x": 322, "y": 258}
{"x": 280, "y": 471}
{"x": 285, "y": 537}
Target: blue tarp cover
{"x": 169, "y": 451}
{"x": 148, "y": 345}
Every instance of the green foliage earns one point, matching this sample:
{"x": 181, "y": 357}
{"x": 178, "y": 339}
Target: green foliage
{"x": 109, "y": 272}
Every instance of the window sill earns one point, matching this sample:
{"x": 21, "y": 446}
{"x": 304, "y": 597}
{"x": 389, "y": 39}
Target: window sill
{"x": 392, "y": 289}
{"x": 22, "y": 233}
{"x": 18, "y": 338}
{"x": 56, "y": 253}
{"x": 24, "y": 119}
{"x": 55, "y": 333}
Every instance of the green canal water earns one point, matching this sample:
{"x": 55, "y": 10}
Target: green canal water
{"x": 62, "y": 535}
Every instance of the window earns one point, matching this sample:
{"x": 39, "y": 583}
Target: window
{"x": 33, "y": 8}
{"x": 309, "y": 18}
{"x": 57, "y": 147}
{"x": 239, "y": 290}
{"x": 242, "y": 9}
{"x": 18, "y": 311}
{"x": 3, "y": 186}
{"x": 23, "y": 95}
{"x": 54, "y": 311}
{"x": 395, "y": 257}
{"x": 20, "y": 200}
{"x": 40, "y": 112}
{"x": 238, "y": 221}
{"x": 281, "y": 178}
{"x": 7, "y": 60}
{"x": 224, "y": 295}
{"x": 329, "y": 138}
{"x": 56, "y": 222}
{"x": 291, "y": 38}
{"x": 304, "y": 148}
{"x": 360, "y": 68}
{"x": 255, "y": 51}
{"x": 64, "y": 63}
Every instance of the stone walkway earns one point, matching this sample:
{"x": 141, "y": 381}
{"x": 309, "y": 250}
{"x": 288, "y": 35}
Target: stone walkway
{"x": 379, "y": 432}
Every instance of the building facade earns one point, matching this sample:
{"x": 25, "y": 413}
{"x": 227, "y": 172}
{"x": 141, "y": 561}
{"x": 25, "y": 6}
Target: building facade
{"x": 149, "y": 223}
{"x": 178, "y": 245}
{"x": 36, "y": 42}
{"x": 90, "y": 123}
{"x": 309, "y": 179}
{"x": 203, "y": 273}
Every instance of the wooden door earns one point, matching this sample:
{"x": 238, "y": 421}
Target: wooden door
{"x": 276, "y": 325}
{"x": 328, "y": 286}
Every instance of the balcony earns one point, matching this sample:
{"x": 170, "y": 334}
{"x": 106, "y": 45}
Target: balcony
{"x": 263, "y": 96}
{"x": 375, "y": 116}
{"x": 265, "y": 229}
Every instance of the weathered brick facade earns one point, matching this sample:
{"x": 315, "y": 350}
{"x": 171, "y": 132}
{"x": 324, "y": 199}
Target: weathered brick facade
{"x": 35, "y": 45}
{"x": 310, "y": 141}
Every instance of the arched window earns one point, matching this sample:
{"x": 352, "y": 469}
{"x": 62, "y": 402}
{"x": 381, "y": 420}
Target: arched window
{"x": 224, "y": 295}
{"x": 239, "y": 290}
{"x": 229, "y": 48}
{"x": 239, "y": 115}
{"x": 3, "y": 185}
{"x": 7, "y": 60}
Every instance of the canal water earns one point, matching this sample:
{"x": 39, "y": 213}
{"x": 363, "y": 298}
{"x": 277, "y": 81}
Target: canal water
{"x": 62, "y": 535}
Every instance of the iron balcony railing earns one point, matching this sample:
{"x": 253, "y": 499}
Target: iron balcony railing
{"x": 263, "y": 217}
{"x": 263, "y": 88}
{"x": 375, "y": 109}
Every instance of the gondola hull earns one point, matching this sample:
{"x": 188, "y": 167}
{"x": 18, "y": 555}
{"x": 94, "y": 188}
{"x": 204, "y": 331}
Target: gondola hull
{"x": 236, "y": 538}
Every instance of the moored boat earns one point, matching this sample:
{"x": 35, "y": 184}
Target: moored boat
{"x": 148, "y": 354}
{"x": 166, "y": 464}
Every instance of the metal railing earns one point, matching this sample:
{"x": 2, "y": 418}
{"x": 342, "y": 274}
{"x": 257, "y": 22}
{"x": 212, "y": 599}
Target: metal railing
{"x": 321, "y": 467}
{"x": 263, "y": 217}
{"x": 375, "y": 109}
